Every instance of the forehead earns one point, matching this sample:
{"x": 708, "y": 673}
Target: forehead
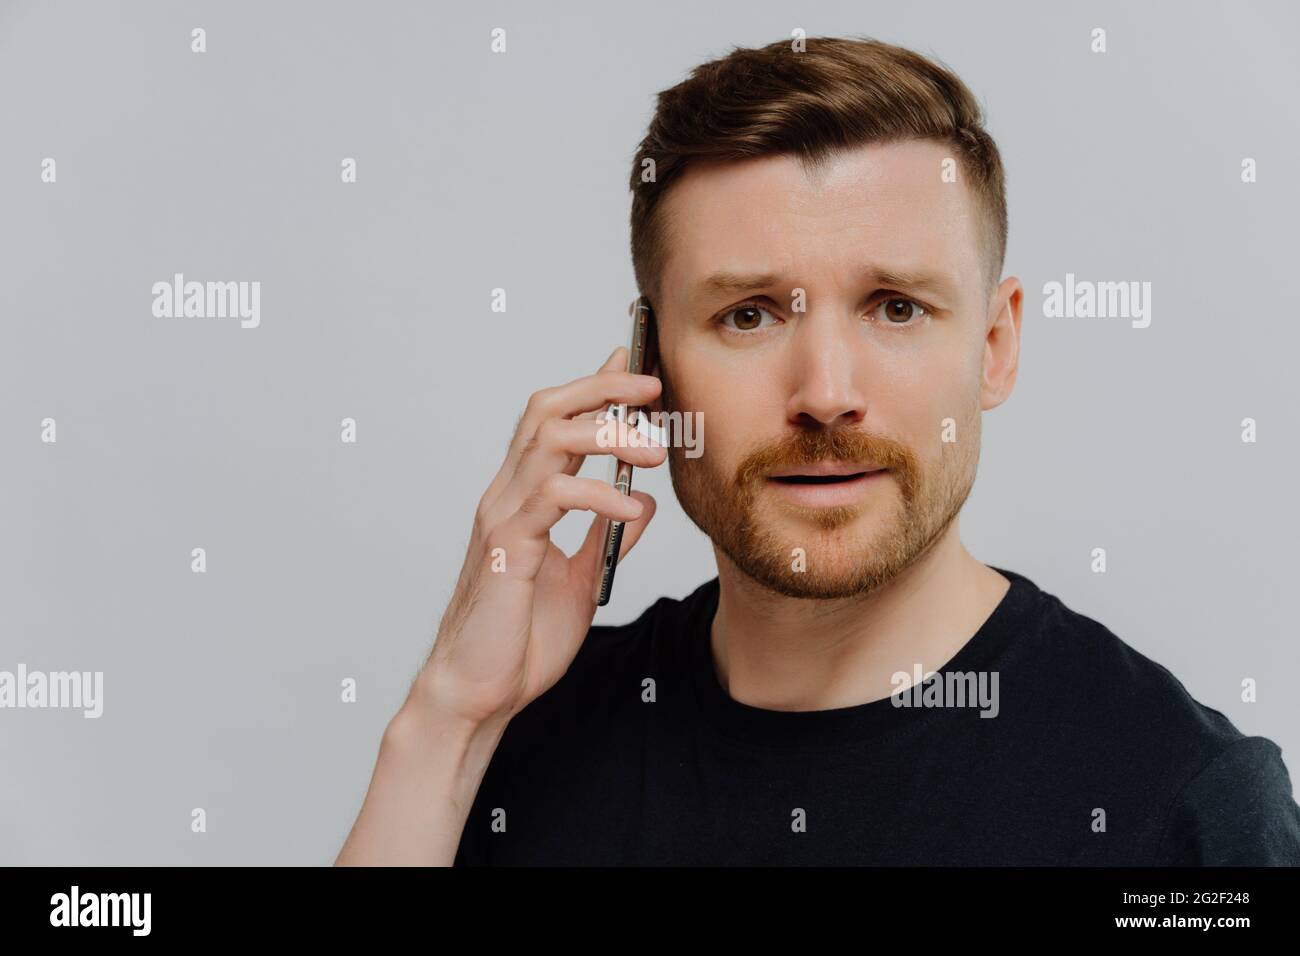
{"x": 884, "y": 206}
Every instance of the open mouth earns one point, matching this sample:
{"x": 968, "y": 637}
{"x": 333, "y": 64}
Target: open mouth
{"x": 827, "y": 485}
{"x": 819, "y": 479}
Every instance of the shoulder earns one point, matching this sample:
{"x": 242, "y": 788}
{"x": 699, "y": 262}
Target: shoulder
{"x": 602, "y": 686}
{"x": 1221, "y": 795}
{"x": 1109, "y": 689}
{"x": 1236, "y": 810}
{"x": 572, "y": 738}
{"x": 662, "y": 634}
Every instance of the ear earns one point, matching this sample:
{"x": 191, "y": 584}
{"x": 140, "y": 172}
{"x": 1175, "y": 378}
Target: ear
{"x": 1001, "y": 344}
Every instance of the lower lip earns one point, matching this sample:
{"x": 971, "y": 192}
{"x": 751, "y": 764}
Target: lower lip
{"x": 828, "y": 495}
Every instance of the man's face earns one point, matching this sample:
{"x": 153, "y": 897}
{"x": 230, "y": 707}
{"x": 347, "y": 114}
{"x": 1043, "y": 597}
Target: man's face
{"x": 871, "y": 366}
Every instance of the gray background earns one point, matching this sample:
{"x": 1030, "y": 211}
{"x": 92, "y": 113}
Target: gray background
{"x": 328, "y": 561}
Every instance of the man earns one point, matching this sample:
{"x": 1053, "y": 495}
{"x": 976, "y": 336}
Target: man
{"x": 821, "y": 235}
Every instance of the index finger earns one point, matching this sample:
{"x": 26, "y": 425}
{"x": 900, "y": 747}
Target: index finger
{"x": 591, "y": 393}
{"x": 617, "y": 360}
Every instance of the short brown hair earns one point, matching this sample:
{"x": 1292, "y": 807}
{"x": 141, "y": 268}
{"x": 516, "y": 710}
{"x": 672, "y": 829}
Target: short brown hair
{"x": 840, "y": 92}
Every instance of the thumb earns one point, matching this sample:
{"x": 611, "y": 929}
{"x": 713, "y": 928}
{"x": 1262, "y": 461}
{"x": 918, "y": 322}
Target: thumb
{"x": 632, "y": 529}
{"x": 587, "y": 558}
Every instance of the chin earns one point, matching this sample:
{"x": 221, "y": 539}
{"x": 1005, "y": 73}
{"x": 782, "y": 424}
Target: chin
{"x": 836, "y": 563}
{"x": 827, "y": 584}
{"x": 852, "y": 528}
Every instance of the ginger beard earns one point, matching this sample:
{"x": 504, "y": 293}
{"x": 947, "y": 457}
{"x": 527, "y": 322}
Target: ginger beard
{"x": 850, "y": 549}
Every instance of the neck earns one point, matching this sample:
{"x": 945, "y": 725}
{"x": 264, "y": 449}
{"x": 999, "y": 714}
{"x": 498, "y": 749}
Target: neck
{"x": 784, "y": 653}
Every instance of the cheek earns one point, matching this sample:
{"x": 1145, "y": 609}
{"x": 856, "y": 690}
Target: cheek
{"x": 738, "y": 408}
{"x": 921, "y": 401}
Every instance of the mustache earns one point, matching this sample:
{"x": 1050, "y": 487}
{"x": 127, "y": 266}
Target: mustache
{"x": 810, "y": 446}
{"x": 837, "y": 444}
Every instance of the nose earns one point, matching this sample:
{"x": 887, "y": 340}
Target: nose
{"x": 826, "y": 368}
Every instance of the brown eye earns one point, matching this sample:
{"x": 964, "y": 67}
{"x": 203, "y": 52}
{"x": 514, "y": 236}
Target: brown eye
{"x": 745, "y": 318}
{"x": 898, "y": 311}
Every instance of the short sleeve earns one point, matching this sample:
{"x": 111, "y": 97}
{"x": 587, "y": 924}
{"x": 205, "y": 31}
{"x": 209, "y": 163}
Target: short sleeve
{"x": 1237, "y": 811}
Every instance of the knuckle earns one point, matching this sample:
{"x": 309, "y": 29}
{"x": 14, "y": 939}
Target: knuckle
{"x": 545, "y": 492}
{"x": 548, "y": 433}
{"x": 483, "y": 516}
{"x": 554, "y": 485}
{"x": 539, "y": 400}
{"x": 532, "y": 503}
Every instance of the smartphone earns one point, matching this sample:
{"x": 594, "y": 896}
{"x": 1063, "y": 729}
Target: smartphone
{"x": 620, "y": 475}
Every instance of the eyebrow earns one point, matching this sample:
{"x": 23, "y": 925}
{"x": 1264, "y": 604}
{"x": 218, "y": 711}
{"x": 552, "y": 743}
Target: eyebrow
{"x": 721, "y": 283}
{"x": 933, "y": 283}
{"x": 726, "y": 282}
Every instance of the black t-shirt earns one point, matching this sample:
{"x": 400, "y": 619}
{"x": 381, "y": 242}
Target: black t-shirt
{"x": 1092, "y": 755}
